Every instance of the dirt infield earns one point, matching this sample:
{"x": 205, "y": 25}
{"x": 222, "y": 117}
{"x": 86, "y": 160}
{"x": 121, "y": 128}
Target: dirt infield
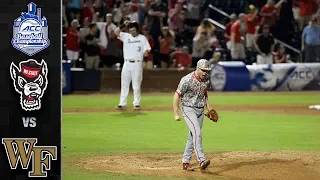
{"x": 281, "y": 165}
{"x": 276, "y": 109}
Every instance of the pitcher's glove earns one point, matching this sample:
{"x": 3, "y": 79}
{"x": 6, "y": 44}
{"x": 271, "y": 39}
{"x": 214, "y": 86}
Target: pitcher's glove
{"x": 212, "y": 115}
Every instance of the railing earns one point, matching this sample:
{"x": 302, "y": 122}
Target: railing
{"x": 223, "y": 27}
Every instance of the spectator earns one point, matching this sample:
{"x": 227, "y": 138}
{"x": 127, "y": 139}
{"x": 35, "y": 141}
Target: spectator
{"x": 296, "y": 9}
{"x": 310, "y": 41}
{"x": 192, "y": 14}
{"x": 88, "y": 11}
{"x": 200, "y": 47}
{"x": 85, "y": 30}
{"x": 166, "y": 42}
{"x": 269, "y": 14}
{"x": 227, "y": 32}
{"x": 74, "y": 8}
{"x": 93, "y": 49}
{"x": 157, "y": 11}
{"x": 111, "y": 53}
{"x": 176, "y": 17}
{"x": 205, "y": 25}
{"x": 281, "y": 56}
{"x": 149, "y": 63}
{"x": 181, "y": 58}
{"x": 105, "y": 29}
{"x": 237, "y": 30}
{"x": 252, "y": 21}
{"x": 72, "y": 41}
{"x": 133, "y": 15}
{"x": 306, "y": 11}
{"x": 265, "y": 46}
{"x": 117, "y": 12}
{"x": 216, "y": 57}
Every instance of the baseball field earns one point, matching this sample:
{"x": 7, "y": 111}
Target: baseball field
{"x": 259, "y": 136}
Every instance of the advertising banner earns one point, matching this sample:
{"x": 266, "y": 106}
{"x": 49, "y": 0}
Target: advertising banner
{"x": 283, "y": 77}
{"x": 230, "y": 76}
{"x": 235, "y": 76}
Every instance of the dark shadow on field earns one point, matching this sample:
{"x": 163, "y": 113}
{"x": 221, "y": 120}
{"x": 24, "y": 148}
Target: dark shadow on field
{"x": 129, "y": 114}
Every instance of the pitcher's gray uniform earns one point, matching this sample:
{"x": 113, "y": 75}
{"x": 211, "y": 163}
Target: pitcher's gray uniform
{"x": 193, "y": 93}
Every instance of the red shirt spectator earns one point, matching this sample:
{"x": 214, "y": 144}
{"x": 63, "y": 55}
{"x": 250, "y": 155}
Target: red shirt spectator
{"x": 278, "y": 58}
{"x": 165, "y": 45}
{"x": 182, "y": 58}
{"x": 176, "y": 17}
{"x": 235, "y": 28}
{"x": 151, "y": 42}
{"x": 72, "y": 39}
{"x": 150, "y": 39}
{"x": 228, "y": 31}
{"x": 88, "y": 11}
{"x": 252, "y": 23}
{"x": 270, "y": 20}
{"x": 306, "y": 7}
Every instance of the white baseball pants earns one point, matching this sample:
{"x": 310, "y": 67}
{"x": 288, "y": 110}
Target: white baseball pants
{"x": 131, "y": 72}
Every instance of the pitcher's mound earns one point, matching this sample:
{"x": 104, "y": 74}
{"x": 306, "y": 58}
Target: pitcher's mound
{"x": 280, "y": 165}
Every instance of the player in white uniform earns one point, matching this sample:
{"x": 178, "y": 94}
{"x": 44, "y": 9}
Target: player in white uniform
{"x": 135, "y": 51}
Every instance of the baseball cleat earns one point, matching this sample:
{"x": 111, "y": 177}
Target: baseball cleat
{"x": 137, "y": 108}
{"x": 204, "y": 164}
{"x": 187, "y": 167}
{"x": 121, "y": 107}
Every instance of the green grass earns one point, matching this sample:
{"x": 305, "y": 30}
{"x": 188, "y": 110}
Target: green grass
{"x": 105, "y": 101}
{"x": 94, "y": 134}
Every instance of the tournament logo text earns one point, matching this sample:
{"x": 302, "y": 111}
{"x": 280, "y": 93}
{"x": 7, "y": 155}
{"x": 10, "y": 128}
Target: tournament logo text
{"x": 30, "y": 81}
{"x": 30, "y": 31}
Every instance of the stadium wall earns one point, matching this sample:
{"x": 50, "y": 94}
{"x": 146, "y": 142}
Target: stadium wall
{"x": 225, "y": 76}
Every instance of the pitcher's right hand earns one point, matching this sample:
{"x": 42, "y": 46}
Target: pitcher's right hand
{"x": 177, "y": 117}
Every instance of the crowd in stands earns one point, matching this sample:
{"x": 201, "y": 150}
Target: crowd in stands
{"x": 180, "y": 31}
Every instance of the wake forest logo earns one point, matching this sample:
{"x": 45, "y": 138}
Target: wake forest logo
{"x": 30, "y": 31}
{"x": 24, "y": 150}
{"x": 30, "y": 81}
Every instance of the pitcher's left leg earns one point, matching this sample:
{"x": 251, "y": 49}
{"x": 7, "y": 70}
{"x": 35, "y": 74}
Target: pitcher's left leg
{"x": 205, "y": 162}
{"x": 136, "y": 86}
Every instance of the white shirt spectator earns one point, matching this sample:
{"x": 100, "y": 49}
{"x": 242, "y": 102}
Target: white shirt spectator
{"x": 102, "y": 27}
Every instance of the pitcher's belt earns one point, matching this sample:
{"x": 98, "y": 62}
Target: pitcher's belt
{"x": 132, "y": 60}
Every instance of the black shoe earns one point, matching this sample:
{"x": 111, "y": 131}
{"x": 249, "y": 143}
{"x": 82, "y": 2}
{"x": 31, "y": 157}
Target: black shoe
{"x": 121, "y": 107}
{"x": 137, "y": 108}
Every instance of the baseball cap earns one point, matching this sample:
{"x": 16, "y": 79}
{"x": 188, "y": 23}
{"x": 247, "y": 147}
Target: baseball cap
{"x": 251, "y": 7}
{"x": 203, "y": 64}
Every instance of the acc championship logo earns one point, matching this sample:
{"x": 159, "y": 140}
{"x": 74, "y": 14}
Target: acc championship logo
{"x": 24, "y": 150}
{"x": 218, "y": 77}
{"x": 30, "y": 81}
{"x": 30, "y": 31}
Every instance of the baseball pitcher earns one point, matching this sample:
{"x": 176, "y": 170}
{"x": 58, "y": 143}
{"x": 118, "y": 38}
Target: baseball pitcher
{"x": 135, "y": 51}
{"x": 192, "y": 91}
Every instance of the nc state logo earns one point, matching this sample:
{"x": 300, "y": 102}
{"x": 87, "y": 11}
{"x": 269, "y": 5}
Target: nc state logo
{"x": 30, "y": 81}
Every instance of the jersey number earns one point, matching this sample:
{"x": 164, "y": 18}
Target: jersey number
{"x": 139, "y": 48}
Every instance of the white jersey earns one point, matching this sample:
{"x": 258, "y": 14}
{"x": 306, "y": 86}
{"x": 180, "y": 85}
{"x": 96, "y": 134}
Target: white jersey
{"x": 134, "y": 47}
